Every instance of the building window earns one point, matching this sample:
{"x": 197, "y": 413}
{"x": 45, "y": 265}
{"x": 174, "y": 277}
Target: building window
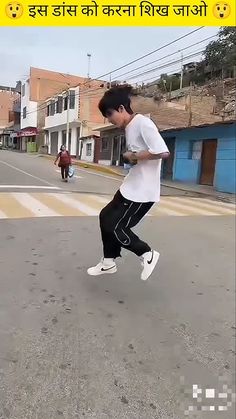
{"x": 89, "y": 149}
{"x": 23, "y": 89}
{"x": 195, "y": 151}
{"x": 105, "y": 144}
{"x": 48, "y": 110}
{"x": 72, "y": 99}
{"x": 65, "y": 103}
{"x": 59, "y": 104}
{"x": 52, "y": 108}
{"x": 24, "y": 112}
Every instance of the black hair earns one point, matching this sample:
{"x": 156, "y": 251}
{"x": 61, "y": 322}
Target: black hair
{"x": 114, "y": 98}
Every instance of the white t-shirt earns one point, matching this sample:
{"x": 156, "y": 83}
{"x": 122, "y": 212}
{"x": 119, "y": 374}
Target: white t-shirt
{"x": 142, "y": 184}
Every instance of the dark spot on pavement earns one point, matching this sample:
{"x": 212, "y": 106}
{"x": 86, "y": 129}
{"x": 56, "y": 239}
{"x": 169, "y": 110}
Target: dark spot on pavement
{"x": 233, "y": 327}
{"x": 44, "y": 330}
{"x": 226, "y": 366}
{"x": 51, "y": 296}
{"x": 63, "y": 299}
{"x": 124, "y": 400}
{"x": 54, "y": 320}
{"x": 74, "y": 253}
{"x": 90, "y": 312}
{"x": 60, "y": 277}
{"x": 10, "y": 237}
{"x": 116, "y": 383}
{"x": 140, "y": 362}
{"x": 45, "y": 301}
{"x": 32, "y": 274}
{"x": 193, "y": 282}
{"x": 107, "y": 290}
{"x": 197, "y": 266}
{"x": 153, "y": 406}
{"x": 121, "y": 302}
{"x": 131, "y": 346}
{"x": 59, "y": 412}
{"x": 68, "y": 309}
{"x": 64, "y": 366}
{"x": 32, "y": 249}
{"x": 35, "y": 263}
{"x": 35, "y": 254}
{"x": 6, "y": 412}
{"x": 200, "y": 293}
{"x": 44, "y": 290}
{"x": 109, "y": 315}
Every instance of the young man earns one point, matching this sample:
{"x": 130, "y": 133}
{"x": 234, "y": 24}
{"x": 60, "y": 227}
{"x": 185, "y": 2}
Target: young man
{"x": 140, "y": 189}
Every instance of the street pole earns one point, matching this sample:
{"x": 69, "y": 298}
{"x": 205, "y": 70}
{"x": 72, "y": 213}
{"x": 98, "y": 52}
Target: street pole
{"x": 182, "y": 71}
{"x": 68, "y": 120}
{"x": 89, "y": 62}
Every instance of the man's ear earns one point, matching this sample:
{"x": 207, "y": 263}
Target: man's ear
{"x": 121, "y": 108}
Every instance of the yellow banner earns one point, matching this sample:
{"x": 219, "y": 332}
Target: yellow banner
{"x": 117, "y": 13}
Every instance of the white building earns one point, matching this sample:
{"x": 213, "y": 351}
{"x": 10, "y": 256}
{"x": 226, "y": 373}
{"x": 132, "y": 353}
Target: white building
{"x": 59, "y": 116}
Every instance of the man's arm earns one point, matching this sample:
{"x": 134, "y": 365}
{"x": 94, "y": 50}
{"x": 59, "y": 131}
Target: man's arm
{"x": 145, "y": 155}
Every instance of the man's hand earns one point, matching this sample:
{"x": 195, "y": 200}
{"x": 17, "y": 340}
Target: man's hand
{"x": 130, "y": 157}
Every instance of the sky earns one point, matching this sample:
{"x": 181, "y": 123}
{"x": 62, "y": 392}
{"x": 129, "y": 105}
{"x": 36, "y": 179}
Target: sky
{"x": 65, "y": 49}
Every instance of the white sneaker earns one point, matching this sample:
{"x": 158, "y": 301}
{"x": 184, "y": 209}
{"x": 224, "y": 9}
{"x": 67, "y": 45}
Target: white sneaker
{"x": 106, "y": 266}
{"x": 149, "y": 261}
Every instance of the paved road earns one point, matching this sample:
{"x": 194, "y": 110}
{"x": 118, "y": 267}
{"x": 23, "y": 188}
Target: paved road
{"x": 72, "y": 346}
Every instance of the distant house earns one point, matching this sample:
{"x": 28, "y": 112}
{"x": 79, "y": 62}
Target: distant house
{"x": 202, "y": 146}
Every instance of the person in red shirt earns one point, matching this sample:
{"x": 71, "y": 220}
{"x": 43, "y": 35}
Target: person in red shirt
{"x": 64, "y": 162}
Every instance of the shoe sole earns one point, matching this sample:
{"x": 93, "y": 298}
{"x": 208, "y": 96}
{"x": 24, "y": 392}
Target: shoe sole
{"x": 154, "y": 263}
{"x": 108, "y": 272}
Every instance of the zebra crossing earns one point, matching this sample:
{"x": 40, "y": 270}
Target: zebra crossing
{"x": 48, "y": 204}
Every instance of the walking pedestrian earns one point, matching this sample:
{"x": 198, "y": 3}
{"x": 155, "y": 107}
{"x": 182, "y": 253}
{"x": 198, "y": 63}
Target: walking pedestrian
{"x": 140, "y": 189}
{"x": 64, "y": 162}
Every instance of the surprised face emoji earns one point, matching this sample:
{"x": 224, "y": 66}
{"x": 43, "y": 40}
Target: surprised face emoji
{"x": 221, "y": 10}
{"x": 14, "y": 10}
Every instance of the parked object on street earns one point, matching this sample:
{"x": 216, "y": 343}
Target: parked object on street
{"x": 71, "y": 171}
{"x": 1, "y": 145}
{"x": 64, "y": 158}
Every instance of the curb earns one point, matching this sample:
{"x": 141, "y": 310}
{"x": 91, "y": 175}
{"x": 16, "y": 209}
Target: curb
{"x": 108, "y": 170}
{"x": 87, "y": 165}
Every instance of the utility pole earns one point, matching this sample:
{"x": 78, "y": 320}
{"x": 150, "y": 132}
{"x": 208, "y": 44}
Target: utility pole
{"x": 89, "y": 63}
{"x": 68, "y": 119}
{"x": 182, "y": 71}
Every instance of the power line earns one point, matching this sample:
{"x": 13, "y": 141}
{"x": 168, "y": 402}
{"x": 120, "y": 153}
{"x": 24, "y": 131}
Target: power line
{"x": 166, "y": 56}
{"x": 165, "y": 65}
{"x": 136, "y": 60}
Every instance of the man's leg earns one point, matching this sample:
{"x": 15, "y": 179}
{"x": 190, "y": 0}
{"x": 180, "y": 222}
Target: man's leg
{"x": 127, "y": 239}
{"x": 111, "y": 247}
{"x": 66, "y": 172}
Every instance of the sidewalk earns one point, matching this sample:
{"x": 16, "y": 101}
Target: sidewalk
{"x": 119, "y": 171}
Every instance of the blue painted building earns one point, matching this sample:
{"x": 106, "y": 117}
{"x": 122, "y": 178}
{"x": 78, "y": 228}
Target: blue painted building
{"x": 204, "y": 155}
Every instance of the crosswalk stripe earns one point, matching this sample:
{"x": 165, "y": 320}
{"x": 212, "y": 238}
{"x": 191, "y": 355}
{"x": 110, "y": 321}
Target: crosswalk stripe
{"x": 2, "y": 214}
{"x": 34, "y": 205}
{"x": 213, "y": 205}
{"x": 51, "y": 201}
{"x": 11, "y": 208}
{"x": 187, "y": 209}
{"x": 85, "y": 209}
{"x": 47, "y": 204}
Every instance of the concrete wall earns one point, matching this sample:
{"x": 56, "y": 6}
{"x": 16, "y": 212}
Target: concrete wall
{"x": 31, "y": 109}
{"x": 187, "y": 169}
{"x": 84, "y": 155}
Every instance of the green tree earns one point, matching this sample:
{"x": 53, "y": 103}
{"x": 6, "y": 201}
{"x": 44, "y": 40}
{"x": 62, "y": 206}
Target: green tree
{"x": 221, "y": 54}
